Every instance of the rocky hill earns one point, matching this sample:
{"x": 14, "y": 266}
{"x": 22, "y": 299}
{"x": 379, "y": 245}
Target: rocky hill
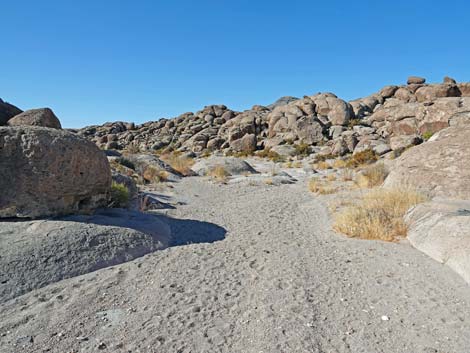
{"x": 392, "y": 119}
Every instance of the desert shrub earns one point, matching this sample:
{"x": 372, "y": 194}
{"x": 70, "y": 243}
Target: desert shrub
{"x": 319, "y": 187}
{"x": 269, "y": 154}
{"x": 354, "y": 122}
{"x": 132, "y": 148}
{"x": 268, "y": 181}
{"x": 289, "y": 165}
{"x": 367, "y": 156}
{"x": 347, "y": 174}
{"x": 154, "y": 175}
{"x": 323, "y": 157}
{"x": 427, "y": 135}
{"x": 119, "y": 195}
{"x": 126, "y": 163}
{"x": 378, "y": 215}
{"x": 302, "y": 149}
{"x": 331, "y": 177}
{"x": 322, "y": 165}
{"x": 219, "y": 173}
{"x": 179, "y": 163}
{"x": 339, "y": 164}
{"x": 372, "y": 175}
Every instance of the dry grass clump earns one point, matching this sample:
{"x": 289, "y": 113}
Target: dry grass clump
{"x": 268, "y": 181}
{"x": 319, "y": 187}
{"x": 154, "y": 175}
{"x": 379, "y": 215}
{"x": 372, "y": 175}
{"x": 119, "y": 195}
{"x": 179, "y": 163}
{"x": 219, "y": 173}
{"x": 269, "y": 154}
{"x": 302, "y": 149}
{"x": 362, "y": 158}
{"x": 347, "y": 174}
{"x": 322, "y": 165}
{"x": 339, "y": 164}
{"x": 331, "y": 177}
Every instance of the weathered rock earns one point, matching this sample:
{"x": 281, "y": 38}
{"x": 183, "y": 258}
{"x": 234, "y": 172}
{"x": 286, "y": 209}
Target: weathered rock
{"x": 438, "y": 167}
{"x": 37, "y": 253}
{"x": 448, "y": 79}
{"x": 46, "y": 172}
{"x": 143, "y": 162}
{"x": 44, "y": 117}
{"x": 403, "y": 142}
{"x": 7, "y": 111}
{"x": 233, "y": 166}
{"x": 245, "y": 144}
{"x": 415, "y": 80}
{"x": 285, "y": 150}
{"x": 432, "y": 92}
{"x": 441, "y": 229}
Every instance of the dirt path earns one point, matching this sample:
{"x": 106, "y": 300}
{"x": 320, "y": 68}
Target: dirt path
{"x": 280, "y": 281}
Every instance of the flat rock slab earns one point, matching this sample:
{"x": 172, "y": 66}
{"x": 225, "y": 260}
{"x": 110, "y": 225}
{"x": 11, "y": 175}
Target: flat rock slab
{"x": 40, "y": 252}
{"x": 441, "y": 229}
{"x": 232, "y": 165}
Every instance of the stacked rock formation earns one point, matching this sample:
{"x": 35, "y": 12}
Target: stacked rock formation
{"x": 394, "y": 118}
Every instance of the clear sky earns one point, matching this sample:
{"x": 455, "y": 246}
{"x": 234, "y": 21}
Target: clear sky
{"x": 106, "y": 60}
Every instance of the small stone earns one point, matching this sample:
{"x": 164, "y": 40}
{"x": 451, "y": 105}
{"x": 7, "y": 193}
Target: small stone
{"x": 102, "y": 345}
{"x": 385, "y": 318}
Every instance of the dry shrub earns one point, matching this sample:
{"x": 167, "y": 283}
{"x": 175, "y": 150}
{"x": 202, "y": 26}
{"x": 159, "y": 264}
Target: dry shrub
{"x": 154, "y": 175}
{"x": 331, "y": 177}
{"x": 219, "y": 173}
{"x": 268, "y": 181}
{"x": 119, "y": 195}
{"x": 372, "y": 175}
{"x": 297, "y": 164}
{"x": 289, "y": 165}
{"x": 267, "y": 153}
{"x": 379, "y": 214}
{"x": 362, "y": 158}
{"x": 179, "y": 163}
{"x": 318, "y": 187}
{"x": 322, "y": 165}
{"x": 339, "y": 164}
{"x": 347, "y": 174}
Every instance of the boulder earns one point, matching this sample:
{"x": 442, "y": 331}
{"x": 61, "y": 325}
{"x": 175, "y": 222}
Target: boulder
{"x": 245, "y": 144}
{"x": 232, "y": 165}
{"x": 438, "y": 167}
{"x": 285, "y": 150}
{"x": 7, "y": 111}
{"x": 47, "y": 172}
{"x": 36, "y": 117}
{"x": 404, "y": 141}
{"x": 143, "y": 162}
{"x": 415, "y": 80}
{"x": 37, "y": 253}
{"x": 441, "y": 229}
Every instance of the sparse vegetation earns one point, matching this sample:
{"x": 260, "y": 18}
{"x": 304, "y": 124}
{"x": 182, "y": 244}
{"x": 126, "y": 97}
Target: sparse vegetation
{"x": 322, "y": 165}
{"x": 331, "y": 177}
{"x": 302, "y": 149}
{"x": 347, "y": 174}
{"x": 354, "y": 122}
{"x": 119, "y": 195}
{"x": 379, "y": 215}
{"x": 427, "y": 135}
{"x": 323, "y": 157}
{"x": 319, "y": 187}
{"x": 268, "y": 181}
{"x": 372, "y": 175}
{"x": 365, "y": 157}
{"x": 219, "y": 173}
{"x": 153, "y": 175}
{"x": 269, "y": 154}
{"x": 339, "y": 164}
{"x": 179, "y": 163}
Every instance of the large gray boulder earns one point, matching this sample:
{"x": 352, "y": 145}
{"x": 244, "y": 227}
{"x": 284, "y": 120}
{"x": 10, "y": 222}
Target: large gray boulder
{"x": 438, "y": 167}
{"x": 37, "y": 253}
{"x": 441, "y": 229}
{"x": 44, "y": 117}
{"x": 7, "y": 111}
{"x": 232, "y": 165}
{"x": 47, "y": 172}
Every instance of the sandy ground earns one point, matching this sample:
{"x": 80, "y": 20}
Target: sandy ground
{"x": 264, "y": 273}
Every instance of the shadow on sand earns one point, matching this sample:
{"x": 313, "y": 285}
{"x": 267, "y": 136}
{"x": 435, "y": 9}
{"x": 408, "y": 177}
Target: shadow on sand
{"x": 172, "y": 231}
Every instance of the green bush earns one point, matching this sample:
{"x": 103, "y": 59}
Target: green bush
{"x": 427, "y": 135}
{"x": 119, "y": 196}
{"x": 302, "y": 149}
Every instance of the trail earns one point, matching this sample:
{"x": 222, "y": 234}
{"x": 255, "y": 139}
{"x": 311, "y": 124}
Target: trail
{"x": 280, "y": 281}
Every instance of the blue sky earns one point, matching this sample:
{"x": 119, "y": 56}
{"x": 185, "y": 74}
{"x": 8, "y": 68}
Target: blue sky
{"x": 98, "y": 61}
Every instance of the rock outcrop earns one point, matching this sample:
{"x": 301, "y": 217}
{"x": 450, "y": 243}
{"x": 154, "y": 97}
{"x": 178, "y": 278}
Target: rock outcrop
{"x": 37, "y": 253}
{"x": 231, "y": 165}
{"x": 44, "y": 117}
{"x": 47, "y": 172}
{"x": 392, "y": 119}
{"x": 441, "y": 230}
{"x": 7, "y": 111}
{"x": 438, "y": 167}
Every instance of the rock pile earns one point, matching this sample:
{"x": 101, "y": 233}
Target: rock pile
{"x": 392, "y": 119}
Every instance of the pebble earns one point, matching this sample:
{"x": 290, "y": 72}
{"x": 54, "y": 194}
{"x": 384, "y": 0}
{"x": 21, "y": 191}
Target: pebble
{"x": 385, "y": 318}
